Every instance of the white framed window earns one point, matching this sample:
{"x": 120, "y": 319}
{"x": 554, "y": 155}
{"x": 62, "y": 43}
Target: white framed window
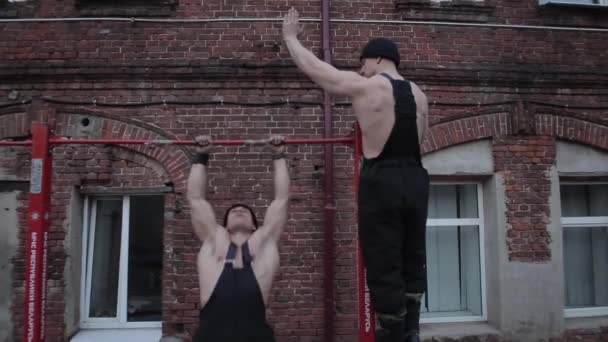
{"x": 585, "y": 240}
{"x": 455, "y": 255}
{"x": 575, "y": 2}
{"x": 122, "y": 262}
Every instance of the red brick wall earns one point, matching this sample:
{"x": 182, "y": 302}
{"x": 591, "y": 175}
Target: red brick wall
{"x": 584, "y": 335}
{"x": 15, "y": 163}
{"x": 575, "y": 335}
{"x": 19, "y": 268}
{"x": 236, "y": 174}
{"x": 464, "y": 70}
{"x": 525, "y": 164}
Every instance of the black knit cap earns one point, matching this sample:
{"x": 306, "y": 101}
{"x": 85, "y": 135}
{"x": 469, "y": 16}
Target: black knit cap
{"x": 381, "y": 47}
{"x": 240, "y": 205}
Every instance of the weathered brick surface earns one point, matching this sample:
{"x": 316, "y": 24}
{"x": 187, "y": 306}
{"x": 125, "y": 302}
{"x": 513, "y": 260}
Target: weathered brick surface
{"x": 480, "y": 82}
{"x": 525, "y": 164}
{"x": 587, "y": 335}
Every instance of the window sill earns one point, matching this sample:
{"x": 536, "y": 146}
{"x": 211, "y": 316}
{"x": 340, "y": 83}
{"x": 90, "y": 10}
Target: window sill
{"x": 118, "y": 335}
{"x": 7, "y": 10}
{"x": 457, "y": 330}
{"x": 550, "y": 3}
{"x": 129, "y": 8}
{"x": 586, "y": 312}
{"x": 8, "y": 13}
{"x": 454, "y": 10}
{"x": 585, "y": 322}
{"x": 464, "y": 318}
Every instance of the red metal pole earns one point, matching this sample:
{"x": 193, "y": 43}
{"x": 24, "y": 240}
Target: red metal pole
{"x": 47, "y": 179}
{"x": 237, "y": 142}
{"x": 16, "y": 143}
{"x": 330, "y": 206}
{"x": 367, "y": 322}
{"x": 37, "y": 236}
{"x": 62, "y": 141}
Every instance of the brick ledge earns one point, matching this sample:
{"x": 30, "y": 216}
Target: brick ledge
{"x": 455, "y": 10}
{"x": 130, "y": 8}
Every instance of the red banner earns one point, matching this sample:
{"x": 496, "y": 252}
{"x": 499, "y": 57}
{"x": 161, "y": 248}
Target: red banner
{"x": 37, "y": 236}
{"x": 367, "y": 322}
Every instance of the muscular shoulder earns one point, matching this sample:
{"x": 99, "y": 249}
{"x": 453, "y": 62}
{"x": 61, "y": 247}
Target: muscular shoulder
{"x": 419, "y": 97}
{"x": 216, "y": 243}
{"x": 417, "y": 92}
{"x": 260, "y": 240}
{"x": 379, "y": 81}
{"x": 375, "y": 87}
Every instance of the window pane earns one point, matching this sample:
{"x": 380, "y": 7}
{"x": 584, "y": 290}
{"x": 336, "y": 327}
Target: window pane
{"x": 106, "y": 258}
{"x": 453, "y": 201}
{"x": 584, "y": 200}
{"x": 470, "y": 273}
{"x": 574, "y": 200}
{"x": 580, "y": 1}
{"x": 145, "y": 258}
{"x": 586, "y": 266}
{"x": 598, "y": 198}
{"x": 454, "y": 271}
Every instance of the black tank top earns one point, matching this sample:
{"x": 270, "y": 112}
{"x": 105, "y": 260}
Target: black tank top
{"x": 236, "y": 311}
{"x": 402, "y": 142}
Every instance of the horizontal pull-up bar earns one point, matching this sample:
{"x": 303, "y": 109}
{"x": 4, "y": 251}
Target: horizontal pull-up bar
{"x": 251, "y": 142}
{"x": 39, "y": 218}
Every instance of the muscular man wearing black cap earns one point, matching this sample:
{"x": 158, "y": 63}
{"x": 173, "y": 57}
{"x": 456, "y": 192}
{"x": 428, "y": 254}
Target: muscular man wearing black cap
{"x": 237, "y": 261}
{"x": 394, "y": 187}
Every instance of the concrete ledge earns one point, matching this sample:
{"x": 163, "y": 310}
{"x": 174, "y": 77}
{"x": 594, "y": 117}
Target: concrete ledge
{"x": 433, "y": 331}
{"x": 586, "y": 322}
{"x": 118, "y": 335}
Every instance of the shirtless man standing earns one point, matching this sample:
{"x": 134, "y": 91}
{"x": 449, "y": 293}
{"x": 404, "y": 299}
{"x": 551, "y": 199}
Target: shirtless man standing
{"x": 237, "y": 261}
{"x": 393, "y": 198}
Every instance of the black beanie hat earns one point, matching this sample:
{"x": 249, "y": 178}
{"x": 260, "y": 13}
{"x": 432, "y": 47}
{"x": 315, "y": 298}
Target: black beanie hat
{"x": 255, "y": 220}
{"x": 381, "y": 47}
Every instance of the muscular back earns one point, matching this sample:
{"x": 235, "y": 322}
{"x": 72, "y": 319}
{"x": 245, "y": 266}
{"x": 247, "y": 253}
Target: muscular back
{"x": 375, "y": 111}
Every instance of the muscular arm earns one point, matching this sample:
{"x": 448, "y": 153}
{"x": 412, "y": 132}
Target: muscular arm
{"x": 422, "y": 112}
{"x": 346, "y": 83}
{"x": 276, "y": 215}
{"x": 203, "y": 218}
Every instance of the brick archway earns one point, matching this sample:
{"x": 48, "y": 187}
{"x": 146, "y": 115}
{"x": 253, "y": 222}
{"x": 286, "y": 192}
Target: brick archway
{"x": 576, "y": 126}
{"x": 174, "y": 159}
{"x": 466, "y": 129}
{"x": 571, "y": 127}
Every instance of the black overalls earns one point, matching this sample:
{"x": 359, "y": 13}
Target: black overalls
{"x": 235, "y": 312}
{"x": 393, "y": 203}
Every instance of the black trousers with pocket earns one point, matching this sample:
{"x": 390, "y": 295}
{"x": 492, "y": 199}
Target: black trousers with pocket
{"x": 393, "y": 205}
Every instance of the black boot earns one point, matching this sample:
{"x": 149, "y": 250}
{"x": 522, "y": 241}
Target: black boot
{"x": 412, "y": 337}
{"x": 381, "y": 335}
{"x": 411, "y": 320}
{"x": 390, "y": 335}
{"x": 392, "y": 328}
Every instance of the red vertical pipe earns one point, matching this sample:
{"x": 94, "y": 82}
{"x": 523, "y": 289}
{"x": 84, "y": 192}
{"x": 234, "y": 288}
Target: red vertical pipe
{"x": 37, "y": 236}
{"x": 366, "y": 310}
{"x": 47, "y": 179}
{"x": 330, "y": 207}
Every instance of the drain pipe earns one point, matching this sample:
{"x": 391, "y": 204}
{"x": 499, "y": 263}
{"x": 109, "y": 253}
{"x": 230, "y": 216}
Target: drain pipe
{"x": 330, "y": 207}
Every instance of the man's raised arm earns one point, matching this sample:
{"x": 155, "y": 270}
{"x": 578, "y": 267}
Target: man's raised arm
{"x": 276, "y": 215}
{"x": 346, "y": 83}
{"x": 202, "y": 215}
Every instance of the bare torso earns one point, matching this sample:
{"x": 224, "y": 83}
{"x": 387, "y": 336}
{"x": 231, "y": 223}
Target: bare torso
{"x": 212, "y": 257}
{"x": 375, "y": 112}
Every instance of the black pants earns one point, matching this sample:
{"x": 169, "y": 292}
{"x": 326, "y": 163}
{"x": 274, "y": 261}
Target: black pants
{"x": 393, "y": 204}
{"x": 227, "y": 330}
